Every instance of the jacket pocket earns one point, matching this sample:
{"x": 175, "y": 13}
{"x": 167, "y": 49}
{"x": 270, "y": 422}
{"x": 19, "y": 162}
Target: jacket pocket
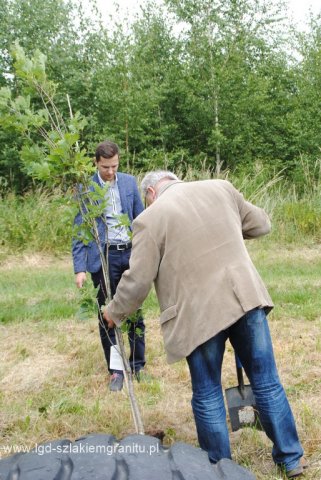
{"x": 168, "y": 314}
{"x": 248, "y": 287}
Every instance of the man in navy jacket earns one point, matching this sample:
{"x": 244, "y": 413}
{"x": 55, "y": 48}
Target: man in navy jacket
{"x": 123, "y": 198}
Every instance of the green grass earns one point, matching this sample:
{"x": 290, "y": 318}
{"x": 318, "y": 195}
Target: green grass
{"x": 44, "y": 294}
{"x": 36, "y": 294}
{"x": 47, "y": 293}
{"x": 294, "y": 283}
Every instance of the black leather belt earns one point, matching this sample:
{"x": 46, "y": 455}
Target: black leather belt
{"x": 121, "y": 246}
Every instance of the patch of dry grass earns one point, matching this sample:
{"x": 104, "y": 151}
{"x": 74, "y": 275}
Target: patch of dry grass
{"x": 53, "y": 384}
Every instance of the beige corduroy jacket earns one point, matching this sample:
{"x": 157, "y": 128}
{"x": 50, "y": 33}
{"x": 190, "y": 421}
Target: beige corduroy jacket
{"x": 190, "y": 243}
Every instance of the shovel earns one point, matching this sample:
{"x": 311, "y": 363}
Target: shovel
{"x": 241, "y": 402}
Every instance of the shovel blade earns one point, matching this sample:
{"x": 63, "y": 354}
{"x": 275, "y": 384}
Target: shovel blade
{"x": 241, "y": 407}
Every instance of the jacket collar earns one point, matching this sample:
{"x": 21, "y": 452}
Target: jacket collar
{"x": 168, "y": 185}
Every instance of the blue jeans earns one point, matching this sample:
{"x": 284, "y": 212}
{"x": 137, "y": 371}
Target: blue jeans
{"x": 119, "y": 262}
{"x": 251, "y": 340}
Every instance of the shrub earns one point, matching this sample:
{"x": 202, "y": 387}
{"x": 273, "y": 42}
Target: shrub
{"x": 37, "y": 221}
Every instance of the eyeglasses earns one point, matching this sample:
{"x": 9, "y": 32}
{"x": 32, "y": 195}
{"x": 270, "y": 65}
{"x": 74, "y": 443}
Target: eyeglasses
{"x": 146, "y": 195}
{"x": 145, "y": 200}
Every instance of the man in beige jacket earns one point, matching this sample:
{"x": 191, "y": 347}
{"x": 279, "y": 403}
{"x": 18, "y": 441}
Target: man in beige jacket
{"x": 190, "y": 243}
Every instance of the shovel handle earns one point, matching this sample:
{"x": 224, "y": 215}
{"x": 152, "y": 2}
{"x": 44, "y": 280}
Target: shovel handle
{"x": 239, "y": 371}
{"x": 238, "y": 361}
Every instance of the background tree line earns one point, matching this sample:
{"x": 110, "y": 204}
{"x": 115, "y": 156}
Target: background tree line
{"x": 223, "y": 84}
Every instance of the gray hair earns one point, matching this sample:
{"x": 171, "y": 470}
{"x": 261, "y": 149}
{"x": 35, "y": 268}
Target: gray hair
{"x": 152, "y": 178}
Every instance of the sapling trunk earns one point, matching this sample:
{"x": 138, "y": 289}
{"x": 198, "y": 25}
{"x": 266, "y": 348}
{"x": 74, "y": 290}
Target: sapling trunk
{"x": 119, "y": 337}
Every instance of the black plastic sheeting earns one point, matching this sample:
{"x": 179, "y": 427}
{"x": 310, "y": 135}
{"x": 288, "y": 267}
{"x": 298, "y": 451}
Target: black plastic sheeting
{"x": 102, "y": 457}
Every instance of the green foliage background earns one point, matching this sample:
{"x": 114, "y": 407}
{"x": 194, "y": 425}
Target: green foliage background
{"x": 227, "y": 83}
{"x": 223, "y": 88}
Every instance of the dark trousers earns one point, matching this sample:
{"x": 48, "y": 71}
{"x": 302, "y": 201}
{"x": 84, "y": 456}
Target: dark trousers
{"x": 118, "y": 263}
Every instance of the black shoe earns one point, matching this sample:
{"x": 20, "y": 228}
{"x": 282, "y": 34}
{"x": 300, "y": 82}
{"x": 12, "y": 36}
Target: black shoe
{"x": 116, "y": 382}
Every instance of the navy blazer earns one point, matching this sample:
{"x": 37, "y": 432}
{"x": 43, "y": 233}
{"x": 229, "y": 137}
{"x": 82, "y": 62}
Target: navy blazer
{"x": 86, "y": 257}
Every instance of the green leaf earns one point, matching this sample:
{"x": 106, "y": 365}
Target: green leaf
{"x": 87, "y": 301}
{"x": 83, "y": 233}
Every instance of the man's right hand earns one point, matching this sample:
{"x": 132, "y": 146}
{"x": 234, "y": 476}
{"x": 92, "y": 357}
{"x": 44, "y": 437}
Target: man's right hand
{"x": 80, "y": 279}
{"x": 109, "y": 321}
